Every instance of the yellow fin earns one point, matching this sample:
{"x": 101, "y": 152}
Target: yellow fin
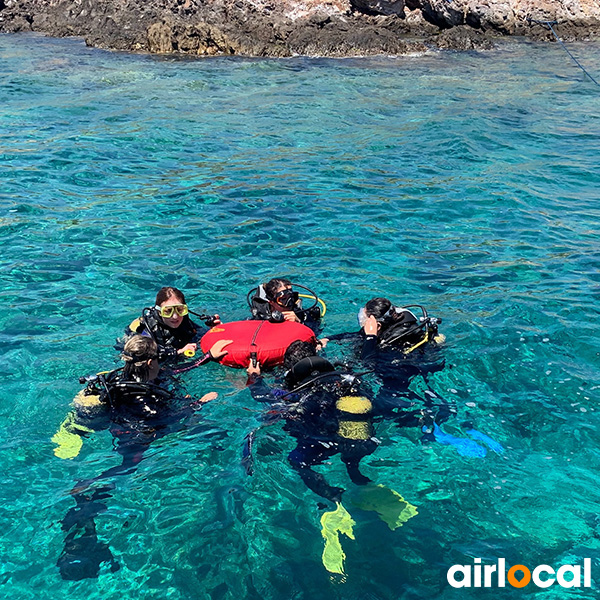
{"x": 391, "y": 507}
{"x": 332, "y": 524}
{"x": 68, "y": 443}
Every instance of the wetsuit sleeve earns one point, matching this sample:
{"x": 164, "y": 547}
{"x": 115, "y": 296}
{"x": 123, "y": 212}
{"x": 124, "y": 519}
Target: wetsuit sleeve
{"x": 342, "y": 337}
{"x": 369, "y": 347}
{"x": 260, "y": 391}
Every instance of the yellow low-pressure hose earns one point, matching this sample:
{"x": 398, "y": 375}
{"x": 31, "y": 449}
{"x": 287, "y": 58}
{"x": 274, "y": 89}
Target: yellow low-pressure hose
{"x": 318, "y": 300}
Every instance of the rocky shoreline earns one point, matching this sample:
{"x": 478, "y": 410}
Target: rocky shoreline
{"x": 278, "y": 28}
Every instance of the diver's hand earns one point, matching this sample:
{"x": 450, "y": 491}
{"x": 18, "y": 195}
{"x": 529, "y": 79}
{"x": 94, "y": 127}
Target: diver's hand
{"x": 215, "y": 320}
{"x": 322, "y": 343}
{"x": 252, "y": 369}
{"x": 188, "y": 348}
{"x": 217, "y": 351}
{"x": 290, "y": 315}
{"x": 371, "y": 326}
{"x": 208, "y": 397}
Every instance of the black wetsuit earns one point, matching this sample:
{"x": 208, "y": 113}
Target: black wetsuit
{"x": 394, "y": 369}
{"x": 312, "y": 415}
{"x": 136, "y": 414}
{"x": 169, "y": 340}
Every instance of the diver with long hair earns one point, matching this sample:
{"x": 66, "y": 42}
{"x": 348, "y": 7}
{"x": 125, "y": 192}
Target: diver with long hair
{"x": 169, "y": 324}
{"x": 137, "y": 407}
{"x": 397, "y": 345}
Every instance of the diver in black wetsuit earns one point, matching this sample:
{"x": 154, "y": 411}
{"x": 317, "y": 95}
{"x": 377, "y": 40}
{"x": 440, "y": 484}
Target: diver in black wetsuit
{"x": 169, "y": 325}
{"x": 277, "y": 301}
{"x": 137, "y": 408}
{"x": 398, "y": 346}
{"x": 323, "y": 410}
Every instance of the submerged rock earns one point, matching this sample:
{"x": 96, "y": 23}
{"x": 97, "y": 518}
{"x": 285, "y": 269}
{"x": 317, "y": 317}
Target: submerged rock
{"x": 289, "y": 27}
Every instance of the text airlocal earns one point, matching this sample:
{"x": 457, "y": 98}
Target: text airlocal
{"x": 478, "y": 575}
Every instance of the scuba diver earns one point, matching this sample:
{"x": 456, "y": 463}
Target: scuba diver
{"x": 324, "y": 409}
{"x": 277, "y": 301}
{"x": 320, "y": 404}
{"x": 137, "y": 407}
{"x": 398, "y": 347}
{"x": 397, "y": 327}
{"x": 169, "y": 325}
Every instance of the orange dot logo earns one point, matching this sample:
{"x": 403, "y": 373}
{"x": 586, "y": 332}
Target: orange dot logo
{"x": 518, "y": 583}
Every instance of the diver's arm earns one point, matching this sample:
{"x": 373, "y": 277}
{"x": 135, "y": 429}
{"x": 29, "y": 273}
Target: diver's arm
{"x": 370, "y": 342}
{"x": 342, "y": 337}
{"x": 369, "y": 347}
{"x": 259, "y": 389}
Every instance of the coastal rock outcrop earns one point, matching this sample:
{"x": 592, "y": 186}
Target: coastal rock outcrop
{"x": 307, "y": 27}
{"x": 574, "y": 18}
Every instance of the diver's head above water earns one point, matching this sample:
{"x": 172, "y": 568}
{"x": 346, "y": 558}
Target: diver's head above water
{"x": 280, "y": 294}
{"x": 170, "y": 305}
{"x": 141, "y": 359}
{"x": 296, "y": 351}
{"x": 302, "y": 363}
{"x": 381, "y": 310}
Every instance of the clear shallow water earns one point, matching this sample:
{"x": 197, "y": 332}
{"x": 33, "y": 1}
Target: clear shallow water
{"x": 468, "y": 182}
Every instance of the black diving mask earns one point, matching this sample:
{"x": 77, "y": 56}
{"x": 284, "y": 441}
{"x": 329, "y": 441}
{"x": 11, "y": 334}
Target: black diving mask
{"x": 286, "y": 298}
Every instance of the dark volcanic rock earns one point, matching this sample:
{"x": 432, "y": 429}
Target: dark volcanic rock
{"x": 287, "y": 27}
{"x": 379, "y": 7}
{"x": 463, "y": 37}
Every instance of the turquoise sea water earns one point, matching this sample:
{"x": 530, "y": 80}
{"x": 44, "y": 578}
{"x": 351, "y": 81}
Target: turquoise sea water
{"x": 467, "y": 182}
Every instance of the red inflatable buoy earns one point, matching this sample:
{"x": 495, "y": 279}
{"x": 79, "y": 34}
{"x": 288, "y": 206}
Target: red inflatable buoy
{"x": 267, "y": 340}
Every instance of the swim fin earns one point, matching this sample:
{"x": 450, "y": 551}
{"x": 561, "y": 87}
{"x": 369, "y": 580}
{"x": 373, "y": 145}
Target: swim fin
{"x": 391, "y": 507}
{"x": 332, "y": 524}
{"x": 464, "y": 447}
{"x": 68, "y": 442}
{"x": 488, "y": 441}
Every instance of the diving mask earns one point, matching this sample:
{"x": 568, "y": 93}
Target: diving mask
{"x": 167, "y": 312}
{"x": 286, "y": 298}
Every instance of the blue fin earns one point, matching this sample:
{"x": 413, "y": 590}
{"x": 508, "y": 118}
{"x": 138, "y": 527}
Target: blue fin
{"x": 464, "y": 447}
{"x": 487, "y": 440}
